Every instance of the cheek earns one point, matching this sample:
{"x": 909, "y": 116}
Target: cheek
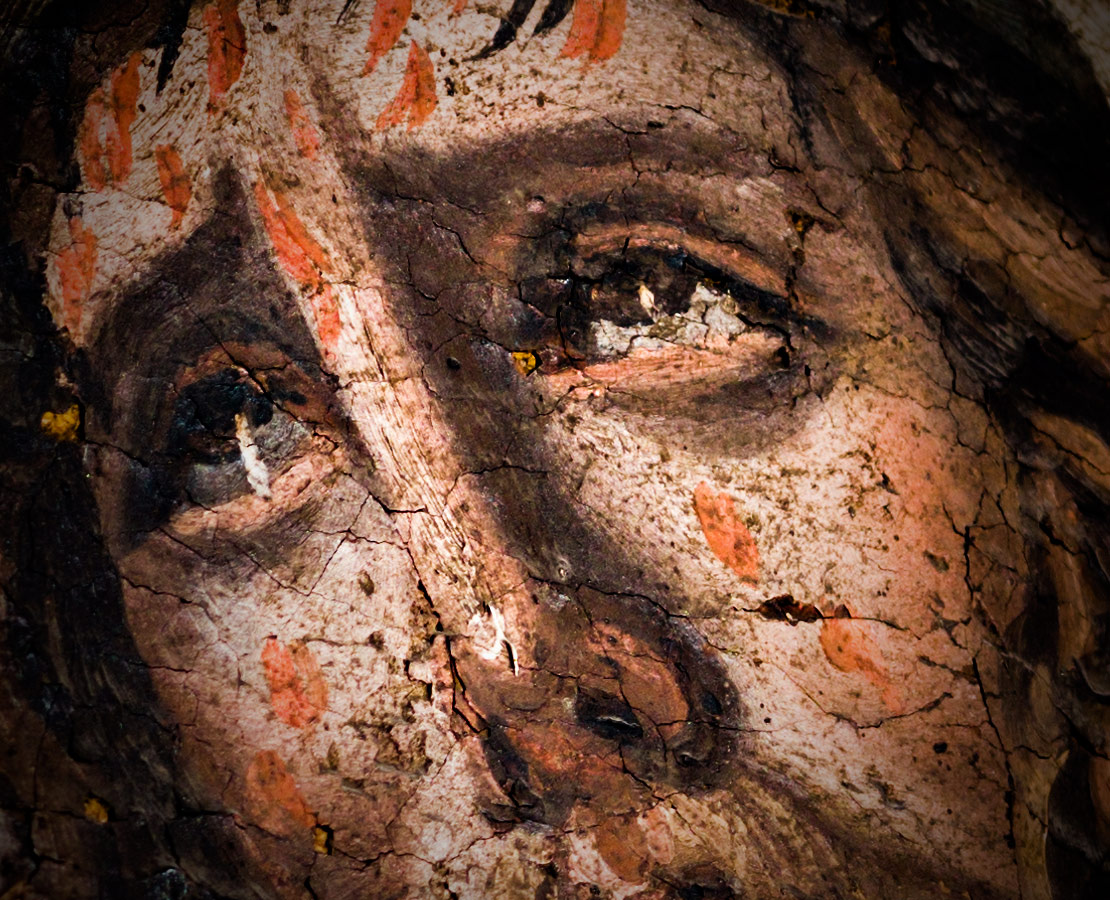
{"x": 858, "y": 518}
{"x": 322, "y": 656}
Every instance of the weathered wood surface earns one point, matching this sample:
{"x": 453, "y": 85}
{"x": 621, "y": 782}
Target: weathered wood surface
{"x": 593, "y": 449}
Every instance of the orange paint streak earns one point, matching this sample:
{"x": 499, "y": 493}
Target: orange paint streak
{"x": 416, "y": 100}
{"x": 175, "y": 183}
{"x": 227, "y": 48}
{"x": 88, "y": 141}
{"x": 304, "y": 132}
{"x": 386, "y": 26}
{"x": 611, "y": 31}
{"x": 275, "y": 801}
{"x": 299, "y": 254}
{"x": 583, "y": 27}
{"x": 425, "y": 102}
{"x": 124, "y": 98}
{"x": 76, "y": 270}
{"x": 298, "y": 691}
{"x": 325, "y": 311}
{"x": 597, "y": 29}
{"x": 726, "y": 534}
{"x": 850, "y": 648}
{"x": 459, "y": 6}
{"x": 302, "y": 257}
{"x": 104, "y": 138}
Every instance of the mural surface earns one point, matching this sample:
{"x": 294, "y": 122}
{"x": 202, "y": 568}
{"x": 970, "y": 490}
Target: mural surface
{"x": 567, "y": 448}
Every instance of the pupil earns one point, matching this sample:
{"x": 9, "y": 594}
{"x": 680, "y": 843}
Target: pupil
{"x": 203, "y": 426}
{"x": 614, "y": 293}
{"x": 612, "y": 289}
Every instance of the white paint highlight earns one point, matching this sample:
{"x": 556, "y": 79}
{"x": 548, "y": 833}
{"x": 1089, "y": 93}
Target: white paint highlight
{"x": 258, "y": 476}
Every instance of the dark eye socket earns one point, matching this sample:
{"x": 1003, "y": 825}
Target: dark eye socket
{"x": 228, "y": 429}
{"x": 204, "y": 417}
{"x": 641, "y": 286}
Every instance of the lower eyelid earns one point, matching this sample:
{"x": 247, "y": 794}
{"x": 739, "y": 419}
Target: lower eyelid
{"x": 741, "y": 359}
{"x": 289, "y": 490}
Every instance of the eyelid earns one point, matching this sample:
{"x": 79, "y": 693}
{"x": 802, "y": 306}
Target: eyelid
{"x": 677, "y": 366}
{"x": 251, "y": 512}
{"x": 258, "y": 361}
{"x": 739, "y": 262}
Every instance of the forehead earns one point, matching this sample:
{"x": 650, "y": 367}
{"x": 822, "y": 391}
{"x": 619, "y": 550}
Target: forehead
{"x": 284, "y": 94}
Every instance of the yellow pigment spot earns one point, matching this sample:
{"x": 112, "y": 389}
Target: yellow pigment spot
{"x": 95, "y": 810}
{"x": 321, "y": 840}
{"x": 62, "y": 426}
{"x": 525, "y": 361}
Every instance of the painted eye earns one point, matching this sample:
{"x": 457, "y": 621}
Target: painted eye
{"x": 232, "y": 426}
{"x": 210, "y": 415}
{"x": 652, "y": 299}
{"x": 231, "y": 435}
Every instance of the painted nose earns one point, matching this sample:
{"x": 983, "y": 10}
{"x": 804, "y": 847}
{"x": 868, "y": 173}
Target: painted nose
{"x": 622, "y": 699}
{"x": 689, "y": 756}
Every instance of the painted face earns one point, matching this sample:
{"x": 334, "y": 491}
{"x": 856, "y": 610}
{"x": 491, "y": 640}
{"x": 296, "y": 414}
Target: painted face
{"x": 527, "y": 473}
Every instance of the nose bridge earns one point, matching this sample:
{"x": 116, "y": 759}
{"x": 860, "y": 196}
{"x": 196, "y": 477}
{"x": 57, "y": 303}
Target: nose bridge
{"x": 581, "y": 694}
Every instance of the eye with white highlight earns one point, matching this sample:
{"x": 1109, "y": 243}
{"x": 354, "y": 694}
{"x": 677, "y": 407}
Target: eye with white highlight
{"x": 233, "y": 432}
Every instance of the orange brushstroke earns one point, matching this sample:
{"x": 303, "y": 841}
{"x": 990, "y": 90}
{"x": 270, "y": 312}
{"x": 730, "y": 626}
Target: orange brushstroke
{"x": 300, "y": 253}
{"x": 325, "y": 311}
{"x": 416, "y": 100}
{"x": 459, "y": 6}
{"x": 622, "y": 844}
{"x": 386, "y": 26}
{"x": 88, "y": 141}
{"x": 425, "y": 103}
{"x": 726, "y": 534}
{"x": 849, "y": 646}
{"x": 275, "y": 801}
{"x": 227, "y": 48}
{"x": 298, "y": 691}
{"x": 304, "y": 132}
{"x": 302, "y": 257}
{"x": 104, "y": 138}
{"x": 583, "y": 27}
{"x": 124, "y": 98}
{"x": 597, "y": 29}
{"x": 175, "y": 183}
{"x": 611, "y": 32}
{"x": 76, "y": 270}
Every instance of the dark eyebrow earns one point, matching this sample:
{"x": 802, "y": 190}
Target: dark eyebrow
{"x": 220, "y": 286}
{"x": 471, "y": 177}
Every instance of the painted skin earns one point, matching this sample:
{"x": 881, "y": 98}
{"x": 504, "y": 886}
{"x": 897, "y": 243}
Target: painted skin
{"x": 504, "y": 629}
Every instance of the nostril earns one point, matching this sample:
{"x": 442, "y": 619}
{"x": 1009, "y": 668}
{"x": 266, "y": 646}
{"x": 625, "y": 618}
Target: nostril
{"x": 692, "y": 748}
{"x": 607, "y": 716}
{"x": 688, "y": 760}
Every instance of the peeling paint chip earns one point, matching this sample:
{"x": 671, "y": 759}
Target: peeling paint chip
{"x": 321, "y": 840}
{"x": 785, "y": 608}
{"x": 62, "y": 426}
{"x": 96, "y": 811}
